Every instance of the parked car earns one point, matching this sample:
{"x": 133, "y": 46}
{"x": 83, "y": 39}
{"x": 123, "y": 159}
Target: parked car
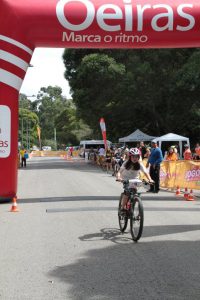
{"x": 46, "y": 148}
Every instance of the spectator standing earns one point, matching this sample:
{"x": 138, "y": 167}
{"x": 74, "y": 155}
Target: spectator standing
{"x": 171, "y": 155}
{"x": 101, "y": 154}
{"x": 125, "y": 153}
{"x": 197, "y": 152}
{"x": 71, "y": 149}
{"x": 177, "y": 150}
{"x": 187, "y": 155}
{"x": 23, "y": 156}
{"x": 148, "y": 153}
{"x": 155, "y": 160}
{"x": 108, "y": 160}
{"x": 142, "y": 149}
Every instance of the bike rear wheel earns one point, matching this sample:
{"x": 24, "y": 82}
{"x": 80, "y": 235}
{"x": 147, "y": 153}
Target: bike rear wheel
{"x": 136, "y": 218}
{"x": 122, "y": 217}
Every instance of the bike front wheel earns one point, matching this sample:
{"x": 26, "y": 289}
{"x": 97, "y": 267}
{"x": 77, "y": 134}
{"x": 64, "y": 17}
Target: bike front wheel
{"x": 122, "y": 217}
{"x": 136, "y": 218}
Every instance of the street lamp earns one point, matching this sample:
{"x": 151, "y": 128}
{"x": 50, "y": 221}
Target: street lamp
{"x": 28, "y": 124}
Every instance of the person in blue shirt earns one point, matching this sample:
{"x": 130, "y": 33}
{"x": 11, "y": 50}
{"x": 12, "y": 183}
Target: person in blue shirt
{"x": 154, "y": 161}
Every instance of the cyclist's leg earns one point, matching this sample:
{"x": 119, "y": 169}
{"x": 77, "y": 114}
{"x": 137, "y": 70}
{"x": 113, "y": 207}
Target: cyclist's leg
{"x": 124, "y": 201}
{"x": 101, "y": 161}
{"x": 122, "y": 216}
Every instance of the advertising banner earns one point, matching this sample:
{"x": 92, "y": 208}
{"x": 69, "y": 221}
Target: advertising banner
{"x": 101, "y": 23}
{"x": 181, "y": 173}
{"x": 103, "y": 130}
{"x": 5, "y": 130}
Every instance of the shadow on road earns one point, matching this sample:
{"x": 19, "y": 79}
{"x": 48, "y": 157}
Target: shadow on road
{"x": 145, "y": 270}
{"x": 114, "y": 234}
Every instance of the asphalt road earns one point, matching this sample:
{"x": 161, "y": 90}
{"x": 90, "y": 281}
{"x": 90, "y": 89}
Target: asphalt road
{"x": 65, "y": 241}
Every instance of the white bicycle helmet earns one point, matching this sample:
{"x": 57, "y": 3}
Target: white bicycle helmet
{"x": 134, "y": 151}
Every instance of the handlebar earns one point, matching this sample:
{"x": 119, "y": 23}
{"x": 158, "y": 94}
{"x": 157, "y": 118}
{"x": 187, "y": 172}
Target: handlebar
{"x": 145, "y": 182}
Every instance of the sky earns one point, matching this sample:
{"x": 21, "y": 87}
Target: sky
{"x": 48, "y": 69}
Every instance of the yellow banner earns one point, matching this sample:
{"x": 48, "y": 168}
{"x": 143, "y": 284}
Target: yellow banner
{"x": 180, "y": 173}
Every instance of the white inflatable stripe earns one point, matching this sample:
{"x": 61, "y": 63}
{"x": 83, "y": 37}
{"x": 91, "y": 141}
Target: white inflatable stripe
{"x": 13, "y": 59}
{"x": 10, "y": 79}
{"x": 16, "y": 43}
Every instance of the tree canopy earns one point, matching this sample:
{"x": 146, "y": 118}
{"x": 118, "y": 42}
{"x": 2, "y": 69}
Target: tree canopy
{"x": 156, "y": 91}
{"x": 56, "y": 117}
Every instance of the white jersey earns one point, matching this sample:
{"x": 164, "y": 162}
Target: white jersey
{"x": 101, "y": 151}
{"x": 131, "y": 174}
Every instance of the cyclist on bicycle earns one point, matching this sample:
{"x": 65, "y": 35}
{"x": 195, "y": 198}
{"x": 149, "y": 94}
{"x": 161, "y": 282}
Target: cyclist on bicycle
{"x": 117, "y": 161}
{"x": 131, "y": 169}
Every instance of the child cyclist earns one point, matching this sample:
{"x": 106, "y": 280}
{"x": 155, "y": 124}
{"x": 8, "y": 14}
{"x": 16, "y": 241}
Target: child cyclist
{"x": 131, "y": 169}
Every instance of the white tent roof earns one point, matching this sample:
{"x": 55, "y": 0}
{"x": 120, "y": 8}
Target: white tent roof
{"x": 136, "y": 136}
{"x": 171, "y": 137}
{"x": 94, "y": 142}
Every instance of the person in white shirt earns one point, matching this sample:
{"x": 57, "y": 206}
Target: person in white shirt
{"x": 131, "y": 169}
{"x": 101, "y": 154}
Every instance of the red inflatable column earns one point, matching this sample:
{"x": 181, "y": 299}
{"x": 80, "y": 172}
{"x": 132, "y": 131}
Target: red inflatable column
{"x": 14, "y": 61}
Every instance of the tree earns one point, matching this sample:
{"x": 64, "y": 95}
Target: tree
{"x": 56, "y": 113}
{"x": 28, "y": 122}
{"x": 153, "y": 90}
{"x": 70, "y": 129}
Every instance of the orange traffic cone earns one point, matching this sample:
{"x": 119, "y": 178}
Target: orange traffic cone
{"x": 14, "y": 205}
{"x": 178, "y": 191}
{"x": 190, "y": 196}
{"x": 186, "y": 193}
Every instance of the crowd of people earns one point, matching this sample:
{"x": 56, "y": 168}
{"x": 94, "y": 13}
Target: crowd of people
{"x": 119, "y": 159}
{"x": 172, "y": 154}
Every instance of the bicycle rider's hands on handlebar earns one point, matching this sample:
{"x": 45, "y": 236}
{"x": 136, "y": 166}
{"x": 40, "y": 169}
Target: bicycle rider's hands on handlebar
{"x": 151, "y": 181}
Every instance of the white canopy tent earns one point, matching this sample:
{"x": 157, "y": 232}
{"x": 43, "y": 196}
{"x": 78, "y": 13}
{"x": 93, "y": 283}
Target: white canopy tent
{"x": 171, "y": 137}
{"x": 92, "y": 143}
{"x": 136, "y": 136}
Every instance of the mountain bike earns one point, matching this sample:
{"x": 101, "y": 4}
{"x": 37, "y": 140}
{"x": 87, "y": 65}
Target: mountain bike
{"x": 133, "y": 210}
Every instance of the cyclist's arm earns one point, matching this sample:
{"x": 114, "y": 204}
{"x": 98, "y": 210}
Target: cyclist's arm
{"x": 148, "y": 177}
{"x": 119, "y": 174}
{"x": 144, "y": 170}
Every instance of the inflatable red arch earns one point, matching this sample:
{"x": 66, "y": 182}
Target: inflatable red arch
{"x": 27, "y": 24}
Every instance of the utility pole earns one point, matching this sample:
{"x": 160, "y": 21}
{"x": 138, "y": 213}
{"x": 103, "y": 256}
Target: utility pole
{"x": 55, "y": 138}
{"x": 22, "y": 129}
{"x": 27, "y": 134}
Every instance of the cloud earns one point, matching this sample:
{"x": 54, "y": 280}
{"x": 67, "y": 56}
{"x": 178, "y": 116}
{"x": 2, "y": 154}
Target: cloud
{"x": 48, "y": 69}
